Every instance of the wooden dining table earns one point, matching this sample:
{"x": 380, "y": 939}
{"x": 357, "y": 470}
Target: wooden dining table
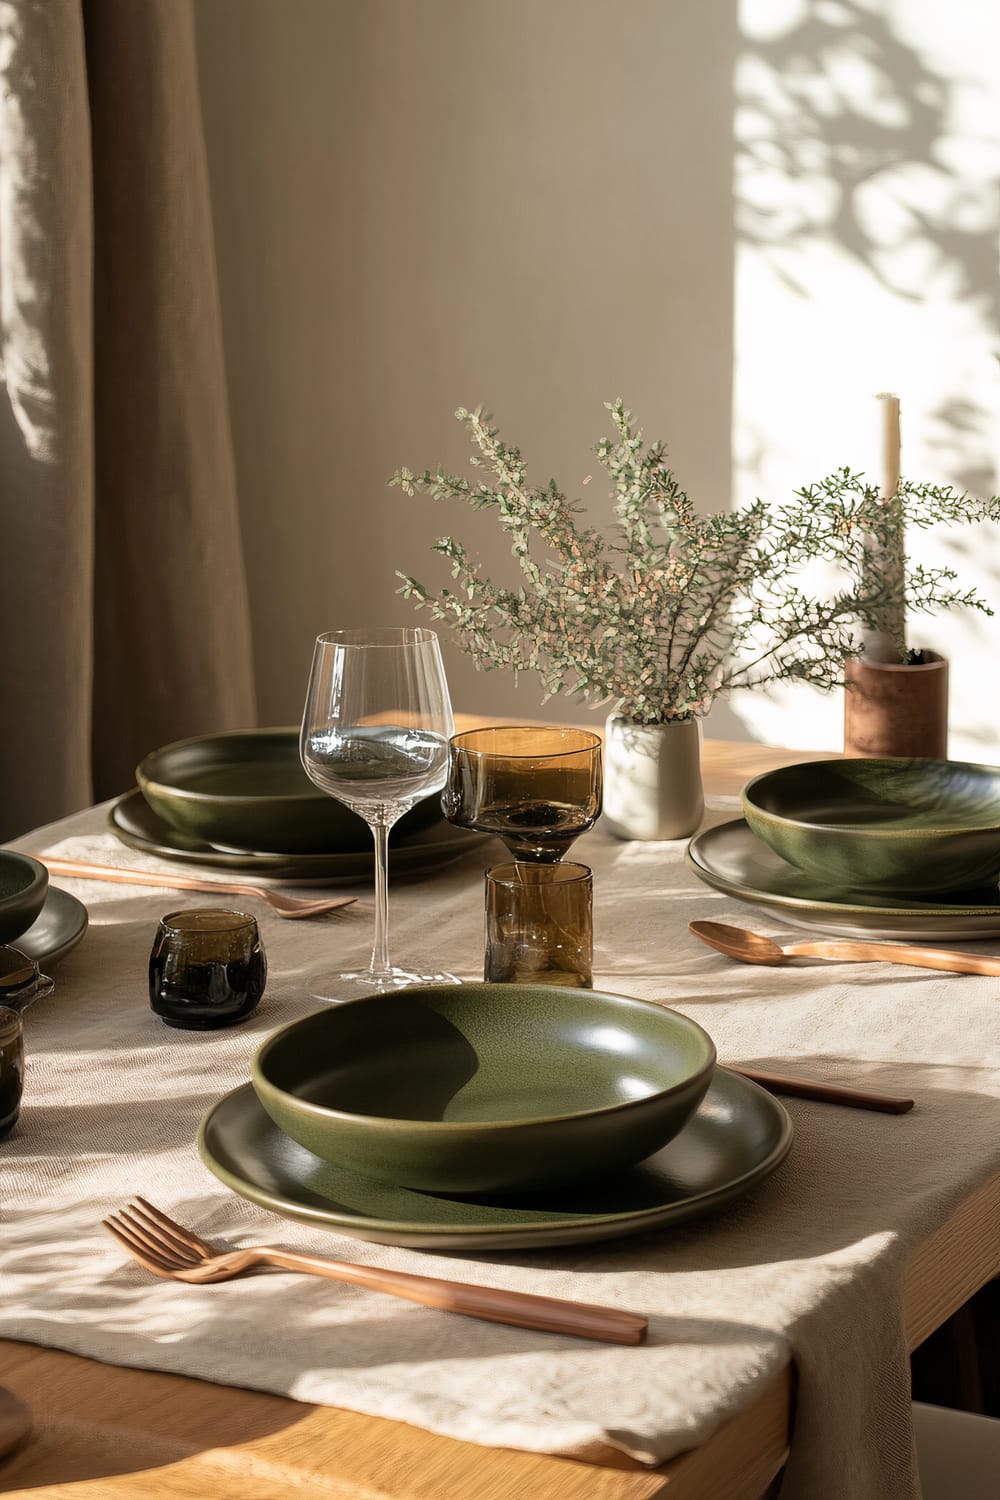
{"x": 120, "y": 1434}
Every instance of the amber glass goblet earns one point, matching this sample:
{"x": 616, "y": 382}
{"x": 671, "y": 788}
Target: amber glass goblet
{"x": 536, "y": 788}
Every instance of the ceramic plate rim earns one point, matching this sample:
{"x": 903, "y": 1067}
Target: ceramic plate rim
{"x": 640, "y": 1217}
{"x": 321, "y": 865}
{"x": 915, "y": 909}
{"x": 75, "y": 907}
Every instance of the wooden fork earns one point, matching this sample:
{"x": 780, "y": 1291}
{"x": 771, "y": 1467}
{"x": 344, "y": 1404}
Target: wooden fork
{"x": 285, "y": 906}
{"x": 175, "y": 1253}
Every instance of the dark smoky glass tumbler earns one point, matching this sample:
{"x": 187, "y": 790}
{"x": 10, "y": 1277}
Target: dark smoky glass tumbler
{"x": 206, "y": 969}
{"x": 11, "y": 1068}
{"x": 539, "y": 924}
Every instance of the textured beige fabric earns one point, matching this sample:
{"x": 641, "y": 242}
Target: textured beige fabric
{"x": 117, "y": 495}
{"x": 46, "y": 422}
{"x": 811, "y": 1263}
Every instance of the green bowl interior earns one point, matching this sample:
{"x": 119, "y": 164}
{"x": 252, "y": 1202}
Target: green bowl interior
{"x": 881, "y": 796}
{"x": 23, "y": 887}
{"x": 16, "y": 878}
{"x": 484, "y": 1054}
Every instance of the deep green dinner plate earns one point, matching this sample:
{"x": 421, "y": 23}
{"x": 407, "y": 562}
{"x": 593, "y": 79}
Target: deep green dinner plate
{"x": 59, "y": 927}
{"x": 732, "y": 859}
{"x": 736, "y": 1139}
{"x": 136, "y": 824}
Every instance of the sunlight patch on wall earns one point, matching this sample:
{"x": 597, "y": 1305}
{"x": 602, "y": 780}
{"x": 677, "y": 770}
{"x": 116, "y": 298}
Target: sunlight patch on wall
{"x": 867, "y": 201}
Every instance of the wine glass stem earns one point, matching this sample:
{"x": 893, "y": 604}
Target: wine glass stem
{"x": 380, "y": 941}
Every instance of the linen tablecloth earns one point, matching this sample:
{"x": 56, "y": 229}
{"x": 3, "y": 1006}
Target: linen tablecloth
{"x": 811, "y": 1263}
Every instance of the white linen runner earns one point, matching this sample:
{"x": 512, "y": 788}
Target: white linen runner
{"x": 810, "y": 1265}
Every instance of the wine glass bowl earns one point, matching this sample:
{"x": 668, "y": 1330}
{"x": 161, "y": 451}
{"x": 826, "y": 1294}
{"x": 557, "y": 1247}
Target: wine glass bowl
{"x": 536, "y": 788}
{"x": 375, "y": 733}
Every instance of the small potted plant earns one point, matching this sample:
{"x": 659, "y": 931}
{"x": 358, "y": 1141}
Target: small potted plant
{"x": 662, "y": 614}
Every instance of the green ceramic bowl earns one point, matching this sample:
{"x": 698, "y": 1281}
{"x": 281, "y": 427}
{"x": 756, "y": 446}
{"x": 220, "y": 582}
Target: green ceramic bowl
{"x": 908, "y": 826}
{"x": 485, "y": 1088}
{"x": 24, "y": 884}
{"x": 246, "y": 789}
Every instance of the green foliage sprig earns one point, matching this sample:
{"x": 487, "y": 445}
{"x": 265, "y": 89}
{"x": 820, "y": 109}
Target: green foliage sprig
{"x": 674, "y": 607}
{"x": 848, "y": 522}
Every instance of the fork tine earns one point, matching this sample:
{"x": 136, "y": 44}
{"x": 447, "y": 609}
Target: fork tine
{"x": 185, "y": 1237}
{"x": 148, "y": 1234}
{"x": 141, "y": 1253}
{"x": 145, "y": 1239}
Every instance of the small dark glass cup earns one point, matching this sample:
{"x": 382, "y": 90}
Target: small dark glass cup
{"x": 11, "y": 1069}
{"x": 207, "y": 969}
{"x": 539, "y": 924}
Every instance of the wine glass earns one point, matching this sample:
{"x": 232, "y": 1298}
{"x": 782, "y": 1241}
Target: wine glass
{"x": 537, "y": 788}
{"x": 375, "y": 735}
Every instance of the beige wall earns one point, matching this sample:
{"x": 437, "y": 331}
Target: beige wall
{"x": 868, "y": 203}
{"x": 422, "y": 204}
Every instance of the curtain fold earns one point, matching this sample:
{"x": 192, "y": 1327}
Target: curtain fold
{"x": 121, "y": 570}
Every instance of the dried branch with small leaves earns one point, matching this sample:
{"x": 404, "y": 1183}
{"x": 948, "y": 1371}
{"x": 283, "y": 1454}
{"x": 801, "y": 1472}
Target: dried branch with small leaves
{"x": 673, "y": 607}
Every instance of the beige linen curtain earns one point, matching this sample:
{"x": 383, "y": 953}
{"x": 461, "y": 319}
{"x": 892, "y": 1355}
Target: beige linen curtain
{"x": 122, "y": 588}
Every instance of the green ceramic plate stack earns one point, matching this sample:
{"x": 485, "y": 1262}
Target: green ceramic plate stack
{"x": 241, "y": 800}
{"x": 35, "y": 917}
{"x": 500, "y": 1115}
{"x": 866, "y": 848}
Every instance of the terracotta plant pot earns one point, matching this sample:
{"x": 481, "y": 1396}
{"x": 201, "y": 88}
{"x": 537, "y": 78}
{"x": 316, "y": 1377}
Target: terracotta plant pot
{"x": 891, "y": 709}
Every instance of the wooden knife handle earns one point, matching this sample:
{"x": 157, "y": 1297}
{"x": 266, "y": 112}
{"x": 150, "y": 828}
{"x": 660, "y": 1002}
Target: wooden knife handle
{"x": 828, "y": 1093}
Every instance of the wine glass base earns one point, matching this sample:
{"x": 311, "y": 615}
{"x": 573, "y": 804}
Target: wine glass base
{"x": 358, "y": 983}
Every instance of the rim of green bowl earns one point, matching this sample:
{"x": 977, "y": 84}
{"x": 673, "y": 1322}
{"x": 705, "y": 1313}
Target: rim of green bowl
{"x": 867, "y": 830}
{"x": 389, "y": 1122}
{"x": 149, "y": 782}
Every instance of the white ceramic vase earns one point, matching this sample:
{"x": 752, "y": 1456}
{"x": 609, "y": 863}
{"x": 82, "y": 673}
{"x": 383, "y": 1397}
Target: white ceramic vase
{"x": 652, "y": 779}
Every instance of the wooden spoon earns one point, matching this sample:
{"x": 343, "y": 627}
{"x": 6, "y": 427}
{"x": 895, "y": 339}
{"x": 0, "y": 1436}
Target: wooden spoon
{"x": 753, "y": 948}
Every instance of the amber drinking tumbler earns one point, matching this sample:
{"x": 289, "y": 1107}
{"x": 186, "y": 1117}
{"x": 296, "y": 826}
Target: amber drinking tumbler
{"x": 539, "y": 924}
